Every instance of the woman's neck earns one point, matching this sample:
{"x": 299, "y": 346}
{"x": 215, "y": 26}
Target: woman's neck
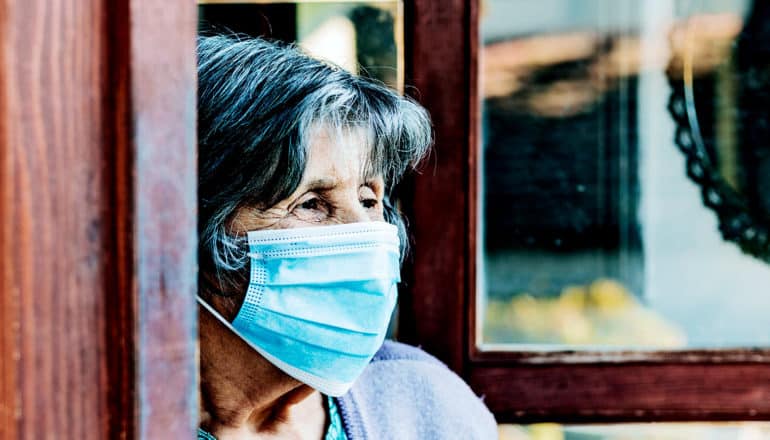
{"x": 243, "y": 396}
{"x": 305, "y": 419}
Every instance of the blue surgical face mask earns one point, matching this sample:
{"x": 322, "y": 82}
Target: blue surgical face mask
{"x": 320, "y": 299}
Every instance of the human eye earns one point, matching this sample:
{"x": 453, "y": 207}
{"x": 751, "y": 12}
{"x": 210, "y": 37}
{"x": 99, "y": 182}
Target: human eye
{"x": 311, "y": 207}
{"x": 370, "y": 203}
{"x": 314, "y": 203}
{"x": 368, "y": 197}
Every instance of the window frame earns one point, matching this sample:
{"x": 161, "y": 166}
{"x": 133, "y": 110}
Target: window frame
{"x": 438, "y": 305}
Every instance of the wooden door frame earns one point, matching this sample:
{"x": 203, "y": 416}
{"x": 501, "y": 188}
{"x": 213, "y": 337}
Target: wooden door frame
{"x": 98, "y": 323}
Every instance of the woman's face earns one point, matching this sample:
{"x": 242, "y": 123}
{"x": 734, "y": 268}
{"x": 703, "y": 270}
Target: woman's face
{"x": 334, "y": 189}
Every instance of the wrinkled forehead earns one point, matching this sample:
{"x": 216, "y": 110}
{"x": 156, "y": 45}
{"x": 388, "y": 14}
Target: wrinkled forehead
{"x": 349, "y": 141}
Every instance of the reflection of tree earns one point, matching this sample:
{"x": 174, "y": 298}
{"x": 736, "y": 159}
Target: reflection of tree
{"x": 602, "y": 313}
{"x": 271, "y": 21}
{"x": 375, "y": 45}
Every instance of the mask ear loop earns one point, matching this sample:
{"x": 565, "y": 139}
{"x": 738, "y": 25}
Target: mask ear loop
{"x": 328, "y": 387}
{"x": 216, "y": 314}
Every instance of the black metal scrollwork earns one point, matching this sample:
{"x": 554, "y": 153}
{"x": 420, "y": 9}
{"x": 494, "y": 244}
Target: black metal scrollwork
{"x": 743, "y": 216}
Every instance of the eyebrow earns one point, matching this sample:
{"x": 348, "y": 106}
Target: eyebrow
{"x": 323, "y": 184}
{"x": 327, "y": 184}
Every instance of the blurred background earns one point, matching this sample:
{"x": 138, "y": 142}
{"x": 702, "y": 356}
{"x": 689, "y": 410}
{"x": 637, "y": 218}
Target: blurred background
{"x": 594, "y": 234}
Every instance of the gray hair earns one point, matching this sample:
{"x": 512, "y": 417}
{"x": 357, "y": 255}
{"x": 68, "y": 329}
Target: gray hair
{"x": 258, "y": 103}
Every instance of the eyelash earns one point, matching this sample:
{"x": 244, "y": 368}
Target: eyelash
{"x": 369, "y": 203}
{"x": 313, "y": 204}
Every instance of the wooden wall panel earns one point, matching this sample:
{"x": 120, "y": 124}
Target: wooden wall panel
{"x": 53, "y": 247}
{"x": 97, "y": 201}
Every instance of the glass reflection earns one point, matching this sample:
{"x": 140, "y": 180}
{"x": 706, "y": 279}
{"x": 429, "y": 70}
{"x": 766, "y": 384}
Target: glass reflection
{"x": 721, "y": 112}
{"x": 592, "y": 232}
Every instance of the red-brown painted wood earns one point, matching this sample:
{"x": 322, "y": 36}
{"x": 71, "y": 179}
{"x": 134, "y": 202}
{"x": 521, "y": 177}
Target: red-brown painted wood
{"x": 163, "y": 115}
{"x": 433, "y": 307}
{"x": 601, "y": 393}
{"x": 97, "y": 201}
{"x": 120, "y": 307}
{"x": 473, "y": 157}
{"x": 692, "y": 356}
{"x": 54, "y": 188}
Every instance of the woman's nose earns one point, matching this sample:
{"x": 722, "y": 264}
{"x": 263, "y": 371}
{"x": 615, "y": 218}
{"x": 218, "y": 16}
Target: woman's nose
{"x": 355, "y": 212}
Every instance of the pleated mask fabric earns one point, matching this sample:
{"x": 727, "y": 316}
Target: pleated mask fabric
{"x": 320, "y": 299}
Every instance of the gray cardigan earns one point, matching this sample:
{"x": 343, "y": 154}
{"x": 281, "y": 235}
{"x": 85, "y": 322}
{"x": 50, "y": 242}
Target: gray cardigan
{"x": 405, "y": 394}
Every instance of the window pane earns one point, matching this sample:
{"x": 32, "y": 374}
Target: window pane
{"x": 597, "y": 228}
{"x": 649, "y": 431}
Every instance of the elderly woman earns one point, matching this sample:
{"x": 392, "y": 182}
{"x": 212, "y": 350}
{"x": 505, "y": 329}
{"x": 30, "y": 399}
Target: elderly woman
{"x": 300, "y": 251}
